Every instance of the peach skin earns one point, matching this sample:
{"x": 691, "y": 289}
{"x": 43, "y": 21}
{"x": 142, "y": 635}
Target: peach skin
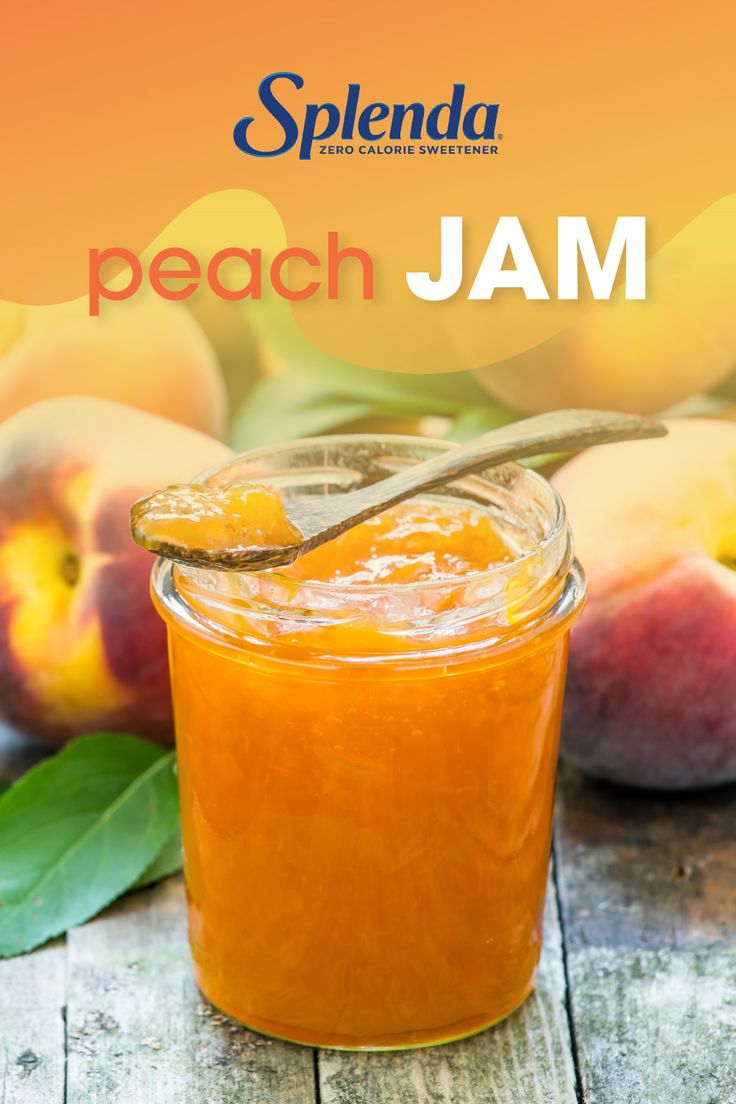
{"x": 149, "y": 354}
{"x": 651, "y": 695}
{"x": 81, "y": 647}
{"x": 642, "y": 357}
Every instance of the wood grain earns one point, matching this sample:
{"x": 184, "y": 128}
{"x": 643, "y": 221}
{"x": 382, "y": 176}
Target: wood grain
{"x": 640, "y": 869}
{"x": 655, "y": 1027}
{"x": 647, "y": 940}
{"x": 140, "y": 1033}
{"x": 648, "y": 900}
{"x": 32, "y": 1033}
{"x": 322, "y": 517}
{"x": 525, "y": 1059}
{"x": 32, "y": 990}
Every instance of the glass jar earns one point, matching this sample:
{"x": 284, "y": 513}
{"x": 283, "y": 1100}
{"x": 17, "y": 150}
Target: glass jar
{"x": 367, "y": 773}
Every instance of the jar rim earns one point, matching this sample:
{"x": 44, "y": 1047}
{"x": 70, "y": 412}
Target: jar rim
{"x": 443, "y": 617}
{"x": 555, "y": 530}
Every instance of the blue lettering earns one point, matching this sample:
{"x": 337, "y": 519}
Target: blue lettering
{"x": 489, "y": 127}
{"x": 279, "y": 113}
{"x": 351, "y": 107}
{"x": 399, "y": 114}
{"x": 454, "y": 108}
{"x": 444, "y": 121}
{"x": 373, "y": 113}
{"x": 310, "y": 134}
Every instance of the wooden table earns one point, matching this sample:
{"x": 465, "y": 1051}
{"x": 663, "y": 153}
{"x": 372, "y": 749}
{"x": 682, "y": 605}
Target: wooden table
{"x": 635, "y": 1000}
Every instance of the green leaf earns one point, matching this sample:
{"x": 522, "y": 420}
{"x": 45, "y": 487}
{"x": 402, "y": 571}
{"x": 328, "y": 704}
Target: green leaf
{"x": 475, "y": 420}
{"x": 77, "y": 831}
{"x": 3, "y": 787}
{"x": 167, "y": 862}
{"x": 544, "y": 460}
{"x": 320, "y": 397}
{"x": 402, "y": 393}
{"x": 314, "y": 392}
{"x": 272, "y": 320}
{"x": 281, "y": 408}
{"x": 698, "y": 406}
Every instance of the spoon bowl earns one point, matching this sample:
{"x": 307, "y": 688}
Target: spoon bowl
{"x": 323, "y": 518}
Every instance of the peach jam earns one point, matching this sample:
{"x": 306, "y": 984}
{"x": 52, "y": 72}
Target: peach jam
{"x": 367, "y": 745}
{"x": 239, "y": 516}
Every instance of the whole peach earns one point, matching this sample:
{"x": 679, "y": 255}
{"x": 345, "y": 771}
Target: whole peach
{"x": 640, "y": 356}
{"x": 651, "y": 694}
{"x": 81, "y": 647}
{"x": 146, "y": 353}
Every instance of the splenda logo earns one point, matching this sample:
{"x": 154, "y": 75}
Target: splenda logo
{"x": 374, "y": 121}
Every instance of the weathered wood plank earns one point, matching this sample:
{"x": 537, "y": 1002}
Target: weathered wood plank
{"x": 32, "y": 998}
{"x": 525, "y": 1059}
{"x": 32, "y": 991}
{"x": 139, "y": 1032}
{"x": 648, "y": 900}
{"x": 646, "y": 870}
{"x": 655, "y": 1027}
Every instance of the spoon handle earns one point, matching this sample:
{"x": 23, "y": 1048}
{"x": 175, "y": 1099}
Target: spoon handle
{"x": 557, "y": 431}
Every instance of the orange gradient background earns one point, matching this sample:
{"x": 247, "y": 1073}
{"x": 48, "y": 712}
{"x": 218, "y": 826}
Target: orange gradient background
{"x": 116, "y": 118}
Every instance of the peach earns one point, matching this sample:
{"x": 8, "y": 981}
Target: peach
{"x": 81, "y": 647}
{"x": 146, "y": 353}
{"x": 651, "y": 695}
{"x": 640, "y": 356}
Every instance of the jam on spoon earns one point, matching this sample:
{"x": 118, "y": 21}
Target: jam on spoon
{"x": 204, "y": 524}
{"x": 246, "y": 527}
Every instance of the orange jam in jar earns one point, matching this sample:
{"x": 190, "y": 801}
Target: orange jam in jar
{"x": 367, "y": 744}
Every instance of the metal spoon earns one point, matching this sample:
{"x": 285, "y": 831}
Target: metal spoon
{"x": 324, "y": 518}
